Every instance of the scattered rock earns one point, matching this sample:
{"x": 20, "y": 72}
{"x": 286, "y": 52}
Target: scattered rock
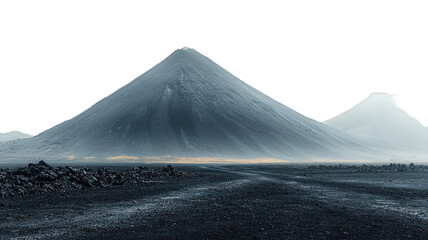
{"x": 393, "y": 167}
{"x": 42, "y": 178}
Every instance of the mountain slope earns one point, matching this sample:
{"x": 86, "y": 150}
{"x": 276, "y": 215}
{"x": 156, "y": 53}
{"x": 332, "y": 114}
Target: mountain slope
{"x": 378, "y": 118}
{"x": 14, "y": 135}
{"x": 189, "y": 106}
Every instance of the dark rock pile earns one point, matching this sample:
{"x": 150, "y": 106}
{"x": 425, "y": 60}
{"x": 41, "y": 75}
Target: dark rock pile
{"x": 43, "y": 178}
{"x": 393, "y": 167}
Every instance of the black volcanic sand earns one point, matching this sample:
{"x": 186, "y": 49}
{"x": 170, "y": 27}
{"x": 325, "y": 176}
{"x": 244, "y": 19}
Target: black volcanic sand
{"x": 232, "y": 202}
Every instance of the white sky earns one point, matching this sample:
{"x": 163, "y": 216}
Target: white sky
{"x": 57, "y": 58}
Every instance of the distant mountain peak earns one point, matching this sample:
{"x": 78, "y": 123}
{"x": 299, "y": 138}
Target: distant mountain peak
{"x": 380, "y": 94}
{"x": 378, "y": 117}
{"x": 13, "y": 135}
{"x": 381, "y": 99}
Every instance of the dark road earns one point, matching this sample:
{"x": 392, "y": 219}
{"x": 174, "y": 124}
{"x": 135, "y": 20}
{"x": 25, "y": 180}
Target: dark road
{"x": 231, "y": 202}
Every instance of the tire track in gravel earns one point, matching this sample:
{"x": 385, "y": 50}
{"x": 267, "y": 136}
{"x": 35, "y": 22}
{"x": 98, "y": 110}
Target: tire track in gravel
{"x": 104, "y": 216}
{"x": 352, "y": 195}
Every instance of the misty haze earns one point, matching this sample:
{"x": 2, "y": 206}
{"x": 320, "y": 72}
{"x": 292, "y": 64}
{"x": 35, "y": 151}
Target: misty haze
{"x": 187, "y": 150}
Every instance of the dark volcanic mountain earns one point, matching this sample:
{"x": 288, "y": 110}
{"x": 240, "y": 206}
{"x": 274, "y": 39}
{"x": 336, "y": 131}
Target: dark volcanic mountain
{"x": 187, "y": 105}
{"x": 378, "y": 118}
{"x": 14, "y": 135}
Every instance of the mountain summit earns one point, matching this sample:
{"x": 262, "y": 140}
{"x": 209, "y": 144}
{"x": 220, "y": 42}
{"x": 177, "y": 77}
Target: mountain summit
{"x": 378, "y": 118}
{"x": 187, "y": 105}
{"x": 14, "y": 135}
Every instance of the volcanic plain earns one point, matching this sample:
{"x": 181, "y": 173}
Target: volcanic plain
{"x": 233, "y": 202}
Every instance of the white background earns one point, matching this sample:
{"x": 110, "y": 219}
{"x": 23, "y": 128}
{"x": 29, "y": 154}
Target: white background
{"x": 57, "y": 58}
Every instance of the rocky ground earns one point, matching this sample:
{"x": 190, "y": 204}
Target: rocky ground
{"x": 43, "y": 178}
{"x": 232, "y": 202}
{"x": 393, "y": 167}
